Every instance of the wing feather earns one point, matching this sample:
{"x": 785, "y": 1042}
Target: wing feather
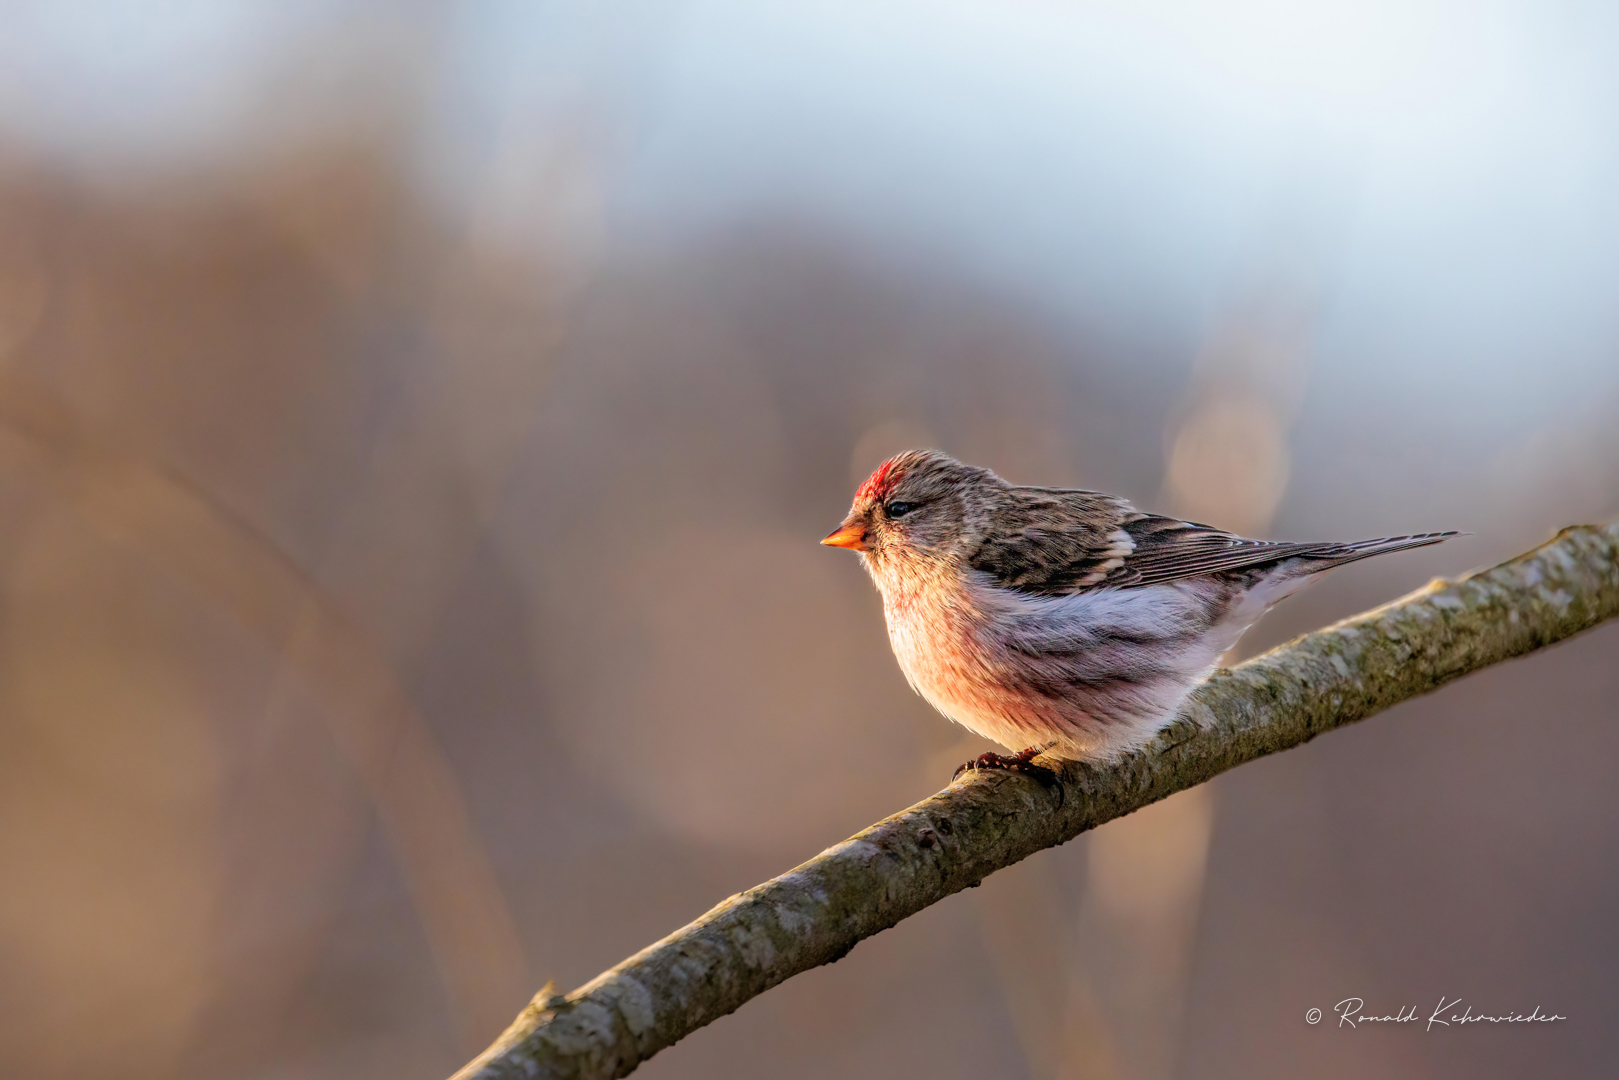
{"x": 1056, "y": 542}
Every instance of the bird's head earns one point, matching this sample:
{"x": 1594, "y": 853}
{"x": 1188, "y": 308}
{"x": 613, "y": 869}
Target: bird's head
{"x": 919, "y": 505}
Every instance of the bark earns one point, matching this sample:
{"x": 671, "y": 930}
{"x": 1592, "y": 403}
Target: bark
{"x": 817, "y": 912}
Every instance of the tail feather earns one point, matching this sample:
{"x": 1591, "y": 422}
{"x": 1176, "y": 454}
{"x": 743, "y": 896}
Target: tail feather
{"x": 1331, "y": 555}
{"x": 1200, "y": 550}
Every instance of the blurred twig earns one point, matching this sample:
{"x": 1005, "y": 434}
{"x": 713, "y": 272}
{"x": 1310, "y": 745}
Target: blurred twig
{"x": 200, "y": 542}
{"x": 816, "y": 913}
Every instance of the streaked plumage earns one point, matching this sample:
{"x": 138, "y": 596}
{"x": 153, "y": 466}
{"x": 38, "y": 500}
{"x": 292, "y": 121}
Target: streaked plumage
{"x": 1062, "y": 620}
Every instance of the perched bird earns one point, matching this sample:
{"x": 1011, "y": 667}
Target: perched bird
{"x": 1063, "y": 621}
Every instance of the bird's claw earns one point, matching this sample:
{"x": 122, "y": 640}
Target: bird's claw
{"x": 1020, "y": 762}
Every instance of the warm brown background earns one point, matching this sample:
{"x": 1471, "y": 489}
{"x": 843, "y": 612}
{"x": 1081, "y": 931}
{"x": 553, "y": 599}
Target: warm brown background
{"x": 415, "y": 427}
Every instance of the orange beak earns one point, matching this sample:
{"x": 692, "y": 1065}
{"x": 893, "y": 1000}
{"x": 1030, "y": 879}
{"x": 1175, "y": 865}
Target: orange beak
{"x": 851, "y": 535}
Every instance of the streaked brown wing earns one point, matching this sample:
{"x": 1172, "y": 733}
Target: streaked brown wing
{"x": 1169, "y": 550}
{"x": 1051, "y": 541}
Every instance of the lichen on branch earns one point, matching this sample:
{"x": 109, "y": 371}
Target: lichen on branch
{"x": 985, "y": 821}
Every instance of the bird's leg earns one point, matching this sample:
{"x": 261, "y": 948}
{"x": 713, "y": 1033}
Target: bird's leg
{"x": 1021, "y": 762}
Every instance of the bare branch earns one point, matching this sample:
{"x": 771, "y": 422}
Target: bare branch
{"x": 816, "y": 913}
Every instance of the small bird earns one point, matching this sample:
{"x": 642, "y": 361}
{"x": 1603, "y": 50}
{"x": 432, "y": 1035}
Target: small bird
{"x": 1063, "y": 621}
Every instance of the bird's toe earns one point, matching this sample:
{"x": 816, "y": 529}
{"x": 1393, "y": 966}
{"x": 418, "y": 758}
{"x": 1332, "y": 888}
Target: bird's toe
{"x": 1020, "y": 762}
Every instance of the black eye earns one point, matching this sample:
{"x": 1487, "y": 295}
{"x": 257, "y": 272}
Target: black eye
{"x": 898, "y": 509}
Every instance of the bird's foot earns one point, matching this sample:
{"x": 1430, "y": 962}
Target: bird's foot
{"x": 1020, "y": 762}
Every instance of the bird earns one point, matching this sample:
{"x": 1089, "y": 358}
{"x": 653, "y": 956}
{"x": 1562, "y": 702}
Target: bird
{"x": 1061, "y": 621}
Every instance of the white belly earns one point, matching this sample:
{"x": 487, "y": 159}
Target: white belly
{"x": 1087, "y": 675}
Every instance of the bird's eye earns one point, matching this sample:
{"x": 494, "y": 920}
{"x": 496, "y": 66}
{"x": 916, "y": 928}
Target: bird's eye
{"x": 898, "y": 509}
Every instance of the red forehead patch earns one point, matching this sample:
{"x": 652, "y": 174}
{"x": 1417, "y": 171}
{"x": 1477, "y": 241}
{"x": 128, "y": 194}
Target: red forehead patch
{"x": 881, "y": 482}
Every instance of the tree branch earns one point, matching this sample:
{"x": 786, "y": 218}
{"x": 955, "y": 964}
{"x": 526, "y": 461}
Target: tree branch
{"x": 816, "y": 913}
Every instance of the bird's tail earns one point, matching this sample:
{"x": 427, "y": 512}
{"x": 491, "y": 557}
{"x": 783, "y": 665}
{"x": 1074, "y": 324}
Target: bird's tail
{"x": 1327, "y": 556}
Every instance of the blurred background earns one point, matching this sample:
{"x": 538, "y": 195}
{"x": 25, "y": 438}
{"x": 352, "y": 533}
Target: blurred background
{"x": 417, "y": 421}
